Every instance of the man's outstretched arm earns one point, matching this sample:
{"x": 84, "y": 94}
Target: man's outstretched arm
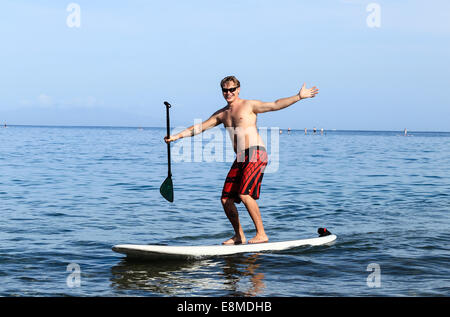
{"x": 304, "y": 92}
{"x": 213, "y": 121}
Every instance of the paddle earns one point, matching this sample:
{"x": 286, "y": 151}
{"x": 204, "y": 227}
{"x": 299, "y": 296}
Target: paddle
{"x": 166, "y": 188}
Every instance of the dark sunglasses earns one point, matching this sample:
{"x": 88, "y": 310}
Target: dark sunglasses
{"x": 229, "y": 89}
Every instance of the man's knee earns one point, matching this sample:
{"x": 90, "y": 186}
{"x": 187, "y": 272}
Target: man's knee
{"x": 245, "y": 197}
{"x": 226, "y": 201}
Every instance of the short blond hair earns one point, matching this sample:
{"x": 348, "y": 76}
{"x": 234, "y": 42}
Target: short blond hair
{"x": 230, "y": 78}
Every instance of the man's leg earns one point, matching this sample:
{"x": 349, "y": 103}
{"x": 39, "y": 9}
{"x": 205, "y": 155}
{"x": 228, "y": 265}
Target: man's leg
{"x": 253, "y": 210}
{"x": 233, "y": 216}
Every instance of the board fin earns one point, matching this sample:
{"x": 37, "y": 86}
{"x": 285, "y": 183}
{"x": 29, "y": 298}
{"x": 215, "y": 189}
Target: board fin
{"x": 323, "y": 232}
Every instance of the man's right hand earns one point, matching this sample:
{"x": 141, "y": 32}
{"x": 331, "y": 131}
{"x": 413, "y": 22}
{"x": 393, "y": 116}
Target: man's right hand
{"x": 170, "y": 139}
{"x": 308, "y": 92}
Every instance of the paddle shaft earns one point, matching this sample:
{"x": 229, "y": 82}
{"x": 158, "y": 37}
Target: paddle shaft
{"x": 168, "y": 135}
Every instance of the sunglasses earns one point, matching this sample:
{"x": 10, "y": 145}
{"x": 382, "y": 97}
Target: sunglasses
{"x": 229, "y": 89}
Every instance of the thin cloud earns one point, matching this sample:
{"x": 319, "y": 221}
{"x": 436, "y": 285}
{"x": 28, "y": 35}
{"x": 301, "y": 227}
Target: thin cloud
{"x": 45, "y": 100}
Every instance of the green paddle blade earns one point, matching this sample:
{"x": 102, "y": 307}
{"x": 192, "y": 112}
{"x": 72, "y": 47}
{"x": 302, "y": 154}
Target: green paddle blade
{"x": 166, "y": 189}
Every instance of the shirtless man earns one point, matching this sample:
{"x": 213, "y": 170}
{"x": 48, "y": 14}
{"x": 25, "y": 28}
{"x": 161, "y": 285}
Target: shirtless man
{"x": 243, "y": 181}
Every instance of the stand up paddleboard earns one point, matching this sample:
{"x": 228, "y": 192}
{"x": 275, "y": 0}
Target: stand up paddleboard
{"x": 186, "y": 252}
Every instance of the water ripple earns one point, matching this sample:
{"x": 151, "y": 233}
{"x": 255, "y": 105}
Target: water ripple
{"x": 69, "y": 194}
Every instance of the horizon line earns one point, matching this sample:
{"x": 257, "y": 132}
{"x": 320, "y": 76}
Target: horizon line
{"x": 156, "y": 127}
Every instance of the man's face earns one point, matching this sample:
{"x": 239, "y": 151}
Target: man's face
{"x": 230, "y": 96}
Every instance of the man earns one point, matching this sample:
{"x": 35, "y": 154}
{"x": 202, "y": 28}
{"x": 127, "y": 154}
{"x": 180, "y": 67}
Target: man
{"x": 243, "y": 181}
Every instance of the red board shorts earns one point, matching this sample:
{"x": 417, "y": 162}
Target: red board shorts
{"x": 246, "y": 174}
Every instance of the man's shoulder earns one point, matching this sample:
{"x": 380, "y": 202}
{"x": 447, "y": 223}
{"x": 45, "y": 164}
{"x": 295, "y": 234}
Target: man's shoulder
{"x": 220, "y": 111}
{"x": 252, "y": 102}
{"x": 249, "y": 100}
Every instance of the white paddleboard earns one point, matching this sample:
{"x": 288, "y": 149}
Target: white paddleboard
{"x": 163, "y": 251}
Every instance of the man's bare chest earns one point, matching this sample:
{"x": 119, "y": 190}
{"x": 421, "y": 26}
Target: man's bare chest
{"x": 242, "y": 117}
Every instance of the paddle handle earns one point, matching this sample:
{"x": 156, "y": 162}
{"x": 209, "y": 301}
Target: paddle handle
{"x": 168, "y": 135}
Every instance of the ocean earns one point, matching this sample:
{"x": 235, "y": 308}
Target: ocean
{"x": 68, "y": 194}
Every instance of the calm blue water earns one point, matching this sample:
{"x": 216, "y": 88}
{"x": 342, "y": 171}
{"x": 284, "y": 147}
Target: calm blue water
{"x": 69, "y": 194}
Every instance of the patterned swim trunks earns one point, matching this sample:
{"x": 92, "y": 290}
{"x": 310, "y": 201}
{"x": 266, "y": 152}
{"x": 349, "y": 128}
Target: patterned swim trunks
{"x": 246, "y": 174}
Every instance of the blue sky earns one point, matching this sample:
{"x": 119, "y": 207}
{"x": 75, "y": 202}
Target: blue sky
{"x": 127, "y": 57}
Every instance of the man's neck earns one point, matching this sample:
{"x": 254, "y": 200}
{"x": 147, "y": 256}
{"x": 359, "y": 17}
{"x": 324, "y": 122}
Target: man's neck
{"x": 235, "y": 103}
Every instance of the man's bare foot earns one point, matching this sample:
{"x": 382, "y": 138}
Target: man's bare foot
{"x": 234, "y": 240}
{"x": 259, "y": 239}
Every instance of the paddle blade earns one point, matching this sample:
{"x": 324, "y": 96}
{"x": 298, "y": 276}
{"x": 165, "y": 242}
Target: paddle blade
{"x": 166, "y": 189}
